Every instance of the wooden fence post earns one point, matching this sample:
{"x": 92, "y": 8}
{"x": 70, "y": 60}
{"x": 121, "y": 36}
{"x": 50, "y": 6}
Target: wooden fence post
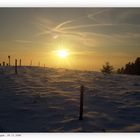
{"x": 38, "y": 64}
{"x": 9, "y": 59}
{"x": 15, "y": 66}
{"x": 20, "y": 62}
{"x": 81, "y": 102}
{"x": 30, "y": 63}
{"x": 3, "y": 63}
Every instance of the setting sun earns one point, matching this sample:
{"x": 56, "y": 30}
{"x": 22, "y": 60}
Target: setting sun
{"x": 62, "y": 53}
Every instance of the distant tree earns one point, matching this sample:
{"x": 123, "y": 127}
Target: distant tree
{"x": 122, "y": 70}
{"x": 128, "y": 68}
{"x": 119, "y": 70}
{"x": 137, "y": 66}
{"x": 131, "y": 68}
{"x": 107, "y": 68}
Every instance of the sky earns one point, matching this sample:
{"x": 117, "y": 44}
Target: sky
{"x": 92, "y": 36}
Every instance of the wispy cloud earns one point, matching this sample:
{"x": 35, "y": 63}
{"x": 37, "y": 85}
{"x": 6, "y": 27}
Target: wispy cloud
{"x": 62, "y": 24}
{"x": 62, "y": 27}
{"x": 84, "y": 32}
{"x": 93, "y": 15}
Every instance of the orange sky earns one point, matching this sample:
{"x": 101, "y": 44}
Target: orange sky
{"x": 92, "y": 36}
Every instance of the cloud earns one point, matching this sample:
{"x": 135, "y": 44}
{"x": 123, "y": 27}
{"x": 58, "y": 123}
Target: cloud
{"x": 62, "y": 24}
{"x": 108, "y": 26}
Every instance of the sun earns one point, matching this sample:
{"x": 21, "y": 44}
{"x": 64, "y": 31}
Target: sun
{"x": 62, "y": 53}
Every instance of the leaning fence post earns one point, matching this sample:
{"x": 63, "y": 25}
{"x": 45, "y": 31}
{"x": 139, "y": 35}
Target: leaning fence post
{"x": 81, "y": 102}
{"x": 15, "y": 66}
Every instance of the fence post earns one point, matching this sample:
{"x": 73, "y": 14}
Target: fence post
{"x": 38, "y": 64}
{"x": 20, "y": 62}
{"x": 3, "y": 63}
{"x": 81, "y": 102}
{"x": 30, "y": 63}
{"x": 9, "y": 59}
{"x": 15, "y": 66}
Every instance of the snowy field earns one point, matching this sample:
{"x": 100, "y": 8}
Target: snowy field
{"x": 47, "y": 100}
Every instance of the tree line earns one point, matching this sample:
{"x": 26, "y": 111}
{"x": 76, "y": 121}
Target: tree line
{"x": 132, "y": 68}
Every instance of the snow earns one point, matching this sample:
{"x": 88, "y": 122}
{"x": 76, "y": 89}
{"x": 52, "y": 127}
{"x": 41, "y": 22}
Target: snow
{"x": 47, "y": 100}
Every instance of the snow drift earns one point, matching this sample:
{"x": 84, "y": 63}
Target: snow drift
{"x": 47, "y": 100}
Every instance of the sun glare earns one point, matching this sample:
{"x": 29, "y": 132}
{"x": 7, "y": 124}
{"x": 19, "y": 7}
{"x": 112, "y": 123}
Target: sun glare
{"x": 62, "y": 53}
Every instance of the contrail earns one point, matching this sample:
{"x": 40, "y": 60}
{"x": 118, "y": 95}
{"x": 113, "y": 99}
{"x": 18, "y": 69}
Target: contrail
{"x": 95, "y": 25}
{"x": 59, "y": 29}
{"x": 97, "y": 13}
{"x": 62, "y": 24}
{"x": 92, "y": 16}
{"x": 86, "y": 26}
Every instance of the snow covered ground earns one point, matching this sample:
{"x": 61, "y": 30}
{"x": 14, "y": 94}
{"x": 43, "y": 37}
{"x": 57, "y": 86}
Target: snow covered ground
{"x": 47, "y": 100}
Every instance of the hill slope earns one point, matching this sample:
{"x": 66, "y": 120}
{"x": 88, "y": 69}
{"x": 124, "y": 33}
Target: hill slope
{"x": 47, "y": 100}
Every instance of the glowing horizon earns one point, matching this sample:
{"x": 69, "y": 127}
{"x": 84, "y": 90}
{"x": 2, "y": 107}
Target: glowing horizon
{"x": 84, "y": 38}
